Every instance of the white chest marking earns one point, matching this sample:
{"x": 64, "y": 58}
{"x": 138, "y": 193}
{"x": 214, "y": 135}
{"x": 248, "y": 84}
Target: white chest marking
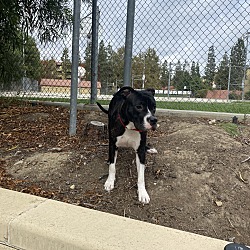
{"x": 130, "y": 138}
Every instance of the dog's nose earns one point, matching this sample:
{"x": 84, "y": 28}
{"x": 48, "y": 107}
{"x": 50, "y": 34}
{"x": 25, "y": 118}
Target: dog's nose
{"x": 152, "y": 120}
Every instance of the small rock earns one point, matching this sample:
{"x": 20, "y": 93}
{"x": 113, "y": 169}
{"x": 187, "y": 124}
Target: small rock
{"x": 56, "y": 149}
{"x": 232, "y": 239}
{"x": 198, "y": 171}
{"x": 167, "y": 152}
{"x": 72, "y": 187}
{"x": 172, "y": 175}
{"x": 211, "y": 122}
{"x": 152, "y": 151}
{"x": 218, "y": 203}
{"x": 18, "y": 162}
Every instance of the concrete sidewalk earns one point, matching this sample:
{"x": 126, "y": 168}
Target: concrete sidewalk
{"x": 3, "y": 247}
{"x": 35, "y": 223}
{"x": 168, "y": 112}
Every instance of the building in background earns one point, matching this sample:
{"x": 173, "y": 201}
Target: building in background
{"x": 63, "y": 86}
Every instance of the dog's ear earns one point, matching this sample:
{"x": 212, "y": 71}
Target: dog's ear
{"x": 152, "y": 91}
{"x": 125, "y": 91}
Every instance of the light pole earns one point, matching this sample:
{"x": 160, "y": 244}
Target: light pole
{"x": 143, "y": 73}
{"x": 245, "y": 63}
{"x": 229, "y": 79}
{"x": 169, "y": 77}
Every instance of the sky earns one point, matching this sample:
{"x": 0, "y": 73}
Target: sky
{"x": 176, "y": 29}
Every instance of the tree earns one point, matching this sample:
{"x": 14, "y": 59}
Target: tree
{"x": 179, "y": 76}
{"x": 195, "y": 81}
{"x": 138, "y": 70}
{"x": 21, "y": 62}
{"x": 87, "y": 59}
{"x": 20, "y": 17}
{"x": 32, "y": 63}
{"x": 152, "y": 69}
{"x": 237, "y": 59}
{"x": 210, "y": 67}
{"x": 103, "y": 75}
{"x": 193, "y": 70}
{"x": 49, "y": 17}
{"x": 147, "y": 63}
{"x": 49, "y": 69}
{"x": 187, "y": 79}
{"x": 12, "y": 68}
{"x": 197, "y": 69}
{"x": 221, "y": 77}
{"x": 118, "y": 59}
{"x": 164, "y": 74}
{"x": 110, "y": 61}
{"x": 66, "y": 64}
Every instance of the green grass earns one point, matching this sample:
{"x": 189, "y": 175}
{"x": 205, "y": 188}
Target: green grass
{"x": 231, "y": 107}
{"x": 230, "y": 128}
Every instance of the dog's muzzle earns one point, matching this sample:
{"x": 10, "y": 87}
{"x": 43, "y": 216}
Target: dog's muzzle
{"x": 152, "y": 120}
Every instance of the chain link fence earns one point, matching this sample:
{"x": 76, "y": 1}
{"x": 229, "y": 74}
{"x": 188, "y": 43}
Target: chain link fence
{"x": 192, "y": 51}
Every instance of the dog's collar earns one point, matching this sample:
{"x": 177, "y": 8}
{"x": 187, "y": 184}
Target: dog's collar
{"x": 120, "y": 119}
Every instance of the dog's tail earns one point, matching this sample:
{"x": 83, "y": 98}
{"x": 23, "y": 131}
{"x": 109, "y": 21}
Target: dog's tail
{"x": 102, "y": 108}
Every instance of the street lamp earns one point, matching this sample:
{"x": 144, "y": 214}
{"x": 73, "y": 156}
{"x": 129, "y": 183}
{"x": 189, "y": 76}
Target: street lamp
{"x": 245, "y": 64}
{"x": 169, "y": 77}
{"x": 229, "y": 79}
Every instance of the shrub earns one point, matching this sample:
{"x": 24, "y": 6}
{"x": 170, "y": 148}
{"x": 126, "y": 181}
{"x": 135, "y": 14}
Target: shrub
{"x": 247, "y": 95}
{"x": 234, "y": 96}
{"x": 201, "y": 93}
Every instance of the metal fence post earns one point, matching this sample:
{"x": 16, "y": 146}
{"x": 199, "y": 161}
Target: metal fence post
{"x": 129, "y": 43}
{"x": 74, "y": 70}
{"x": 94, "y": 52}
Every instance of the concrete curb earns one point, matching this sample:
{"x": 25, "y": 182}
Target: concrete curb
{"x": 30, "y": 222}
{"x": 169, "y": 112}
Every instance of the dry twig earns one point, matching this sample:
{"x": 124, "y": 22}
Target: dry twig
{"x": 247, "y": 159}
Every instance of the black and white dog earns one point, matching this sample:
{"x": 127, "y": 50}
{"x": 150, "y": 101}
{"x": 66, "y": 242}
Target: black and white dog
{"x": 130, "y": 115}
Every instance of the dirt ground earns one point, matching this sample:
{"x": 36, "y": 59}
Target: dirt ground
{"x": 198, "y": 181}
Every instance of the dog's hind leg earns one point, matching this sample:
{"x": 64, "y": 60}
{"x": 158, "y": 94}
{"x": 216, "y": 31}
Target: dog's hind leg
{"x": 142, "y": 192}
{"x": 109, "y": 184}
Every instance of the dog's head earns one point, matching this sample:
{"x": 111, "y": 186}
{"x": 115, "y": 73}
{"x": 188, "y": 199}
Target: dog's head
{"x": 140, "y": 107}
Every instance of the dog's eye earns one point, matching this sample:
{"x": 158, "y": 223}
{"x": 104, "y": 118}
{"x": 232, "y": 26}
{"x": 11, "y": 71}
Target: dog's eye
{"x": 139, "y": 107}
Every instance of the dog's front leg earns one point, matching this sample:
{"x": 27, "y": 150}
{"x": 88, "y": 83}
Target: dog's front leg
{"x": 142, "y": 192}
{"x": 109, "y": 184}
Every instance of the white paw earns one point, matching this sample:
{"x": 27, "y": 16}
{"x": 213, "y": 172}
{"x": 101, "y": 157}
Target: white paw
{"x": 152, "y": 151}
{"x": 143, "y": 196}
{"x": 109, "y": 184}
